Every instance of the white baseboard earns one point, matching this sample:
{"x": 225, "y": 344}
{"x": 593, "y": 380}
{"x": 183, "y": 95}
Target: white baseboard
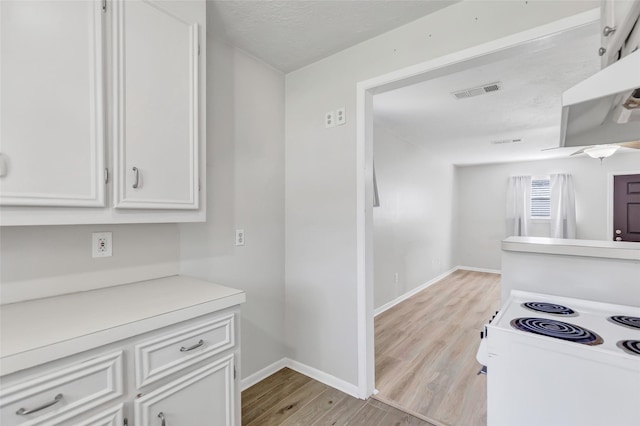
{"x": 421, "y": 287}
{"x": 260, "y": 375}
{"x": 328, "y": 379}
{"x": 402, "y": 298}
{"x": 473, "y": 268}
{"x": 301, "y": 368}
{"x": 323, "y": 377}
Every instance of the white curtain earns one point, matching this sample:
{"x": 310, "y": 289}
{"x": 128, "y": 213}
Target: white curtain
{"x": 518, "y": 205}
{"x": 563, "y": 207}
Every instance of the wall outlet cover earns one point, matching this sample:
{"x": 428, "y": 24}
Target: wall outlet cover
{"x": 341, "y": 116}
{"x": 330, "y": 119}
{"x": 102, "y": 244}
{"x": 239, "y": 237}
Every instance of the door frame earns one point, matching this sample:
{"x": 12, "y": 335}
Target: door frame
{"x": 610, "y": 176}
{"x": 576, "y": 25}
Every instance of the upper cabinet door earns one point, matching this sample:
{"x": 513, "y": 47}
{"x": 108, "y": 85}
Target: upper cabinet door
{"x": 156, "y": 106}
{"x": 51, "y": 103}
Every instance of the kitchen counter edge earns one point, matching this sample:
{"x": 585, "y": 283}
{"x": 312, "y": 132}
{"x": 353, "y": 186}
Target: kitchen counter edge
{"x": 179, "y": 299}
{"x": 571, "y": 247}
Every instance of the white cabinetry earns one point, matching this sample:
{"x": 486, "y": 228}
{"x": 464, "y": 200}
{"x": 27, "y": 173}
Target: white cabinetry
{"x": 169, "y": 345}
{"x": 51, "y": 104}
{"x": 102, "y": 106}
{"x": 53, "y": 397}
{"x": 155, "y": 116}
{"x": 618, "y": 19}
{"x": 203, "y": 397}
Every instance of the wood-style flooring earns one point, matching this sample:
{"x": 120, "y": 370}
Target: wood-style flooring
{"x": 426, "y": 347}
{"x": 290, "y": 398}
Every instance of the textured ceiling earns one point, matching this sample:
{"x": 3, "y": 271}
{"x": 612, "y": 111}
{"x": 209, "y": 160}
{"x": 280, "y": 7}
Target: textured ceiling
{"x": 528, "y": 106}
{"x": 291, "y": 34}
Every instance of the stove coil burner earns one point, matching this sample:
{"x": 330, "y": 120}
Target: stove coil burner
{"x": 549, "y": 308}
{"x": 627, "y": 321}
{"x": 557, "y": 330}
{"x": 630, "y": 346}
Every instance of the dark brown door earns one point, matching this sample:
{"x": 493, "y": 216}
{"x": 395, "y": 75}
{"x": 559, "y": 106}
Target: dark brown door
{"x": 626, "y": 208}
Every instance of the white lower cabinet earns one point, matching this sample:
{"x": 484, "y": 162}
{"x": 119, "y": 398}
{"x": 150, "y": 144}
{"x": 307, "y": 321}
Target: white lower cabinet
{"x": 54, "y": 397}
{"x": 180, "y": 375}
{"x": 202, "y": 397}
{"x": 113, "y": 416}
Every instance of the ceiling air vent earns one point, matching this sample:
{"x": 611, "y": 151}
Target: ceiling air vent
{"x": 505, "y": 141}
{"x": 476, "y": 91}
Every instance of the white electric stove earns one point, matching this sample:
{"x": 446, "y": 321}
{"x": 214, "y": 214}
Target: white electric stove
{"x": 536, "y": 377}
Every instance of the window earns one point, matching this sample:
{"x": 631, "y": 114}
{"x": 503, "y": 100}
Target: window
{"x": 540, "y": 198}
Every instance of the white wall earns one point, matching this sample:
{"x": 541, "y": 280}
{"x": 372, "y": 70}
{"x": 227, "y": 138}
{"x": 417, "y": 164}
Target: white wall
{"x": 481, "y": 199}
{"x": 413, "y": 225}
{"x": 245, "y": 190}
{"x": 42, "y": 261}
{"x": 320, "y": 184}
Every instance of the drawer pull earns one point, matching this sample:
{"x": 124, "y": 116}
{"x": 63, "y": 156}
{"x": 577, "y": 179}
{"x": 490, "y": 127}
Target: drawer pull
{"x": 24, "y": 411}
{"x": 161, "y": 417}
{"x": 136, "y": 173}
{"x": 190, "y": 348}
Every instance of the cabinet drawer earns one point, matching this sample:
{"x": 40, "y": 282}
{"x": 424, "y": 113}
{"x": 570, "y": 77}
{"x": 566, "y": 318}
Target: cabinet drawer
{"x": 166, "y": 354}
{"x": 54, "y": 397}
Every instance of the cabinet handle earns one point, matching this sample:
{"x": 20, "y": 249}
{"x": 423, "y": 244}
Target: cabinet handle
{"x": 607, "y": 31}
{"x": 602, "y": 51}
{"x": 190, "y": 348}
{"x": 24, "y": 411}
{"x": 161, "y": 417}
{"x": 137, "y": 176}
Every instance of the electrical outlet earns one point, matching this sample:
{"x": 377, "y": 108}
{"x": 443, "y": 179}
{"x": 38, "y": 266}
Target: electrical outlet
{"x": 329, "y": 119}
{"x": 102, "y": 244}
{"x": 341, "y": 116}
{"x": 239, "y": 237}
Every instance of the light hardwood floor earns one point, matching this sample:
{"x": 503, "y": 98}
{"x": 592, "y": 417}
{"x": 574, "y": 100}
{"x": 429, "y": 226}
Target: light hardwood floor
{"x": 290, "y": 398}
{"x": 426, "y": 347}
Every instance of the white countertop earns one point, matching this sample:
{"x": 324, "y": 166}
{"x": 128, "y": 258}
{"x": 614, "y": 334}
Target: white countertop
{"x": 587, "y": 248}
{"x": 41, "y": 330}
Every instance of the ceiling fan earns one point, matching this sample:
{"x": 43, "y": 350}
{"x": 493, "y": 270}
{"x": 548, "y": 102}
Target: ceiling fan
{"x": 602, "y": 151}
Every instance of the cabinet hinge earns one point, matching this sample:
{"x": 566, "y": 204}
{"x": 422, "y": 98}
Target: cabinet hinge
{"x": 104, "y": 6}
{"x": 198, "y": 49}
{"x": 106, "y": 175}
{"x": 125, "y": 422}
{"x": 234, "y": 373}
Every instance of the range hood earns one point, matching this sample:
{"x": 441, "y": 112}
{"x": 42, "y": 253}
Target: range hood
{"x": 605, "y": 108}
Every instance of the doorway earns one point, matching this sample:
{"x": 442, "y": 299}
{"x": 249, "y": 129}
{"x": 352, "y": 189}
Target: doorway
{"x": 538, "y": 38}
{"x": 625, "y": 207}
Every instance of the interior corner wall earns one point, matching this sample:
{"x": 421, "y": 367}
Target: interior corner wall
{"x": 481, "y": 202}
{"x": 412, "y": 227}
{"x": 245, "y": 190}
{"x": 320, "y": 174}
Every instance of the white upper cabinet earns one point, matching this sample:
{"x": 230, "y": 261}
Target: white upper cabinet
{"x": 155, "y": 118}
{"x": 102, "y": 111}
{"x": 51, "y": 103}
{"x": 620, "y": 31}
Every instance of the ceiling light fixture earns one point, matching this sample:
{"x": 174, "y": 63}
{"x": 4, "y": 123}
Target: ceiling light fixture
{"x": 601, "y": 151}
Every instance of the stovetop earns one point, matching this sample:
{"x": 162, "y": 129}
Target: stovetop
{"x": 599, "y": 326}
